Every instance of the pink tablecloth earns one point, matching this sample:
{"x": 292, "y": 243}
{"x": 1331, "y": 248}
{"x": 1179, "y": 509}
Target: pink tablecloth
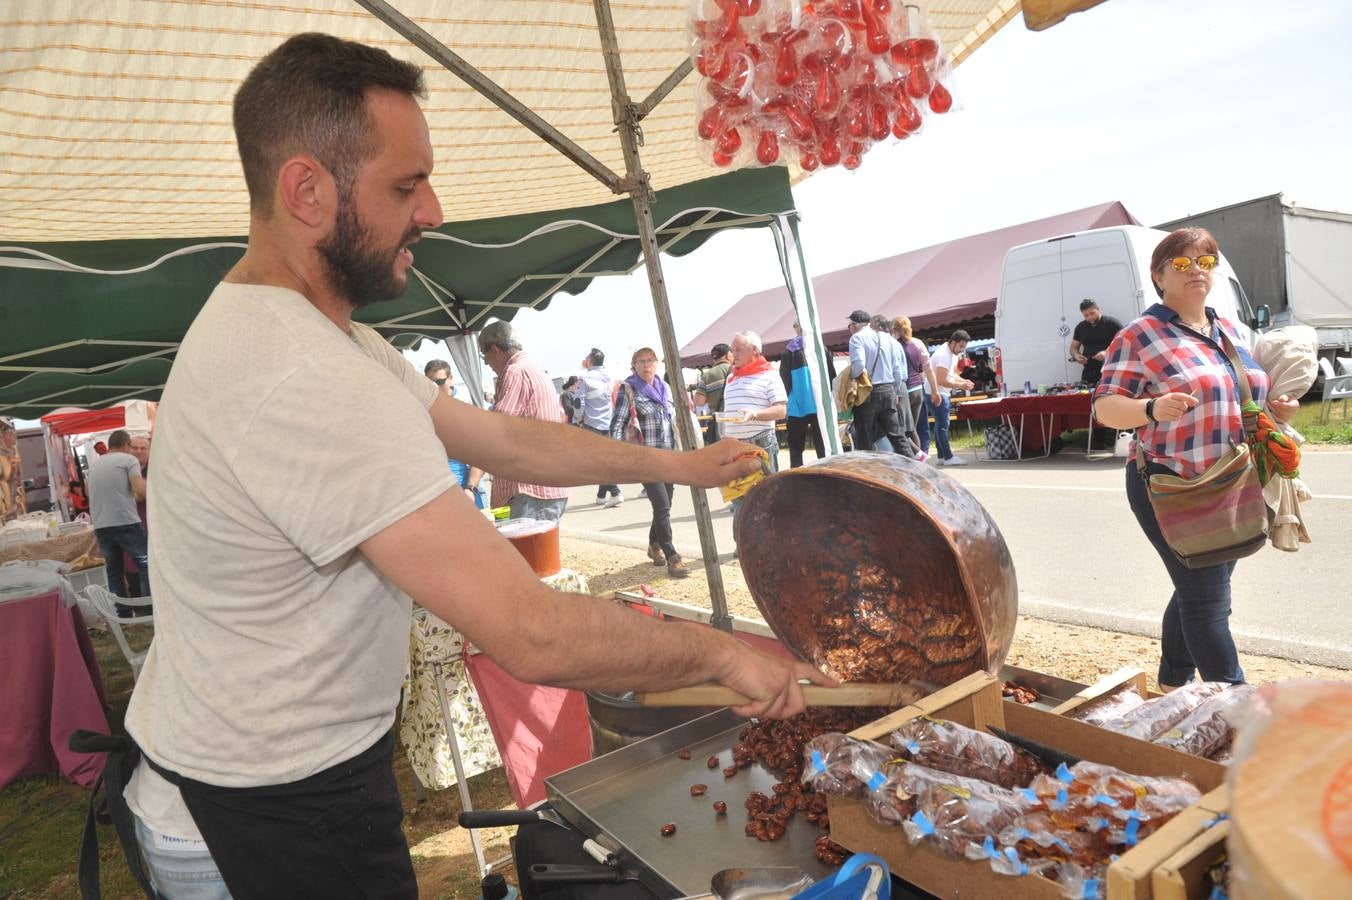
{"x": 51, "y": 686}
{"x": 541, "y": 731}
{"x": 1045, "y": 416}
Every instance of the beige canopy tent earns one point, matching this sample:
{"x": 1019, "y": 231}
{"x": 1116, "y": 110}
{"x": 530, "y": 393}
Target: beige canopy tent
{"x": 115, "y": 116}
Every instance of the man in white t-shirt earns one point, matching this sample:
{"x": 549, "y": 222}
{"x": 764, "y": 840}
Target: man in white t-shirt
{"x": 945, "y": 363}
{"x": 753, "y": 401}
{"x": 302, "y": 497}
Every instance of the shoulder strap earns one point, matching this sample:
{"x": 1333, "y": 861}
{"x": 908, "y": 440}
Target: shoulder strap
{"x": 1241, "y": 381}
{"x": 876, "y": 356}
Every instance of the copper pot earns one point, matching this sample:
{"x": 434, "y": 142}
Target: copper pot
{"x": 875, "y": 567}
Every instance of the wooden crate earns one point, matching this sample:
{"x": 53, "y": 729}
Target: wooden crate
{"x": 1106, "y": 686}
{"x": 976, "y": 702}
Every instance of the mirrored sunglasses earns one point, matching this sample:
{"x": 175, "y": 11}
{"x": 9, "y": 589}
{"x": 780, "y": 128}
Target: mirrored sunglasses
{"x": 1206, "y": 262}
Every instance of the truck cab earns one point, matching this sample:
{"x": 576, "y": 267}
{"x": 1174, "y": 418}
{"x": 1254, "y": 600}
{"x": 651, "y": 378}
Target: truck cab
{"x": 1043, "y": 282}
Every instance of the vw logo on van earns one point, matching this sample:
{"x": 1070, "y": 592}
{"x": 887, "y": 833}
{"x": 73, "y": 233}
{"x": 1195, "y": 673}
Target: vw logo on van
{"x": 1063, "y": 330}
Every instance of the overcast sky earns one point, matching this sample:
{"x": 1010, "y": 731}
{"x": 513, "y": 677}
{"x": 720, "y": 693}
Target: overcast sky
{"x": 1172, "y": 108}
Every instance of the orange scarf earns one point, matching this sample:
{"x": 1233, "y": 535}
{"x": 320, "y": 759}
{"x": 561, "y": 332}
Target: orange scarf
{"x": 752, "y": 368}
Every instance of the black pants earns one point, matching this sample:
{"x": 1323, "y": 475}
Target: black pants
{"x": 604, "y": 490}
{"x": 1093, "y": 372}
{"x": 659, "y": 532}
{"x": 334, "y": 834}
{"x": 800, "y": 427}
{"x": 876, "y": 417}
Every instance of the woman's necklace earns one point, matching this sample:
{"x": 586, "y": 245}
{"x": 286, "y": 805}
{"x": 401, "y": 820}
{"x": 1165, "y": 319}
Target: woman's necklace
{"x": 1203, "y": 328}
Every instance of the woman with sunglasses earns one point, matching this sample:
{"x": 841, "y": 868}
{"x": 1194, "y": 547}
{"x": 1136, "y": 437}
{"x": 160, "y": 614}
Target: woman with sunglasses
{"x": 645, "y": 400}
{"x": 1167, "y": 377}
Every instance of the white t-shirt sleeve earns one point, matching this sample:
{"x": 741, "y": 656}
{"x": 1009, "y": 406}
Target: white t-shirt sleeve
{"x": 775, "y": 390}
{"x": 424, "y": 388}
{"x": 330, "y": 481}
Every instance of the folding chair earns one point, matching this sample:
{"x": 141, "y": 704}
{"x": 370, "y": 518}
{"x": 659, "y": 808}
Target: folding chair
{"x": 1336, "y": 388}
{"x": 104, "y": 602}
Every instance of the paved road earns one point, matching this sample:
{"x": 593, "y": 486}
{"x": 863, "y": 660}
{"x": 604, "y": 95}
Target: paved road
{"x": 1081, "y": 558}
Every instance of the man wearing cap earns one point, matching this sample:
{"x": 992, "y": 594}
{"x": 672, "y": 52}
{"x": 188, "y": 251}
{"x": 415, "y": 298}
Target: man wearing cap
{"x": 880, "y": 356}
{"x": 710, "y": 387}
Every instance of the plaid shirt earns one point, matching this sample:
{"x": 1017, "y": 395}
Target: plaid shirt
{"x": 1156, "y": 355}
{"x": 652, "y": 420}
{"x": 525, "y": 390}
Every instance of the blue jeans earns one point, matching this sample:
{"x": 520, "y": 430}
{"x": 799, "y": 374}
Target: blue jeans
{"x": 186, "y": 873}
{"x": 940, "y": 414}
{"x": 1195, "y": 634}
{"x": 524, "y": 506}
{"x": 112, "y": 542}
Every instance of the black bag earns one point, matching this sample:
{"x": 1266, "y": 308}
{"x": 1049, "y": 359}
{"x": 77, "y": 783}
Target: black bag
{"x": 1001, "y": 443}
{"x": 123, "y": 757}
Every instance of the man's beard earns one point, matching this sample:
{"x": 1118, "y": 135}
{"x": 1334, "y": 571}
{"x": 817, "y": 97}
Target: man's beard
{"x": 357, "y": 270}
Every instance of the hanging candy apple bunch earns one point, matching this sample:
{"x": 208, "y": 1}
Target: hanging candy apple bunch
{"x": 818, "y": 83}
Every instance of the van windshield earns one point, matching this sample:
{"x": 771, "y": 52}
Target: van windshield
{"x": 1241, "y": 302}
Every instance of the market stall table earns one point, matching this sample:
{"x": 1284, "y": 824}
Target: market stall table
{"x": 1053, "y": 414}
{"x": 51, "y": 686}
{"x": 77, "y": 547}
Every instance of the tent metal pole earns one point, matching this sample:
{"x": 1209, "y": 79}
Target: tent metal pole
{"x": 494, "y": 92}
{"x": 666, "y": 87}
{"x": 627, "y": 122}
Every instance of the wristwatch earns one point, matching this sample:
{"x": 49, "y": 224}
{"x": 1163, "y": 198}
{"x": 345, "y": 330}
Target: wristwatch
{"x": 1150, "y": 411}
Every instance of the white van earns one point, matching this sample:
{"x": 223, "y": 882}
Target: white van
{"x": 1042, "y": 284}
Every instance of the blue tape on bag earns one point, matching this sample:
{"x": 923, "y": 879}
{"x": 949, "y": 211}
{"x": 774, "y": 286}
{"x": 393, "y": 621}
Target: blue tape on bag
{"x": 1030, "y": 795}
{"x": 921, "y": 821}
{"x": 912, "y": 746}
{"x": 818, "y": 765}
{"x": 1131, "y": 831}
{"x": 1105, "y": 800}
{"x": 1021, "y": 833}
{"x": 1216, "y": 821}
{"x": 1063, "y": 773}
{"x": 988, "y": 848}
{"x": 876, "y": 781}
{"x": 1099, "y": 824}
{"x": 1091, "y": 889}
{"x": 1060, "y": 801}
{"x": 1019, "y": 865}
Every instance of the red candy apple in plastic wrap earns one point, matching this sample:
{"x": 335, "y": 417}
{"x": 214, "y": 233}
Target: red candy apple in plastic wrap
{"x": 813, "y": 84}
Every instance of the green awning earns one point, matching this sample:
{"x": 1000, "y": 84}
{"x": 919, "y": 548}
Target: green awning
{"x": 80, "y": 322}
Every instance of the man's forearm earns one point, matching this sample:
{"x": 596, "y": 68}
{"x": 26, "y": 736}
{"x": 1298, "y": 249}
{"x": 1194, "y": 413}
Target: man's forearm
{"x": 579, "y": 641}
{"x": 547, "y": 453}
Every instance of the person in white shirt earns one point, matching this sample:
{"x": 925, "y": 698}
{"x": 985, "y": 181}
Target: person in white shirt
{"x": 302, "y": 501}
{"x": 753, "y": 401}
{"x": 945, "y": 363}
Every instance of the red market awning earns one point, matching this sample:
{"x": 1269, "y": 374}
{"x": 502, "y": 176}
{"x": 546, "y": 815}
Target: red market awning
{"x": 86, "y": 421}
{"x": 936, "y": 286}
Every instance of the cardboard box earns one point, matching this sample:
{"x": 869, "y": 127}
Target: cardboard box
{"x": 975, "y": 701}
{"x": 1183, "y": 876}
{"x": 1105, "y": 687}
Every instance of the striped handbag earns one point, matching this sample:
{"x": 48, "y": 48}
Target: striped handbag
{"x": 1220, "y": 515}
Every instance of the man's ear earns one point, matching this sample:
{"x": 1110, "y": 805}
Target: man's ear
{"x": 306, "y": 190}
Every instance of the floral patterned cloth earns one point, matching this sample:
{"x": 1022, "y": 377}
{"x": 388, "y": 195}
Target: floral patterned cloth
{"x": 422, "y": 728}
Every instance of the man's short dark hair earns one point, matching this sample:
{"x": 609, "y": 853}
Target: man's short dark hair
{"x": 309, "y": 96}
{"x": 959, "y": 336}
{"x": 596, "y": 357}
{"x": 119, "y": 439}
{"x": 720, "y": 351}
{"x": 436, "y": 365}
{"x": 1087, "y": 303}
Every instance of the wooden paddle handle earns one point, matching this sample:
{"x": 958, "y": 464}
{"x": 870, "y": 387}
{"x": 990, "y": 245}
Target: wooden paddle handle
{"x": 712, "y": 694}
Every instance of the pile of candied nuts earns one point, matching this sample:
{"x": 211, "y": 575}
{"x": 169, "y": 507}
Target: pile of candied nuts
{"x": 778, "y": 746}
